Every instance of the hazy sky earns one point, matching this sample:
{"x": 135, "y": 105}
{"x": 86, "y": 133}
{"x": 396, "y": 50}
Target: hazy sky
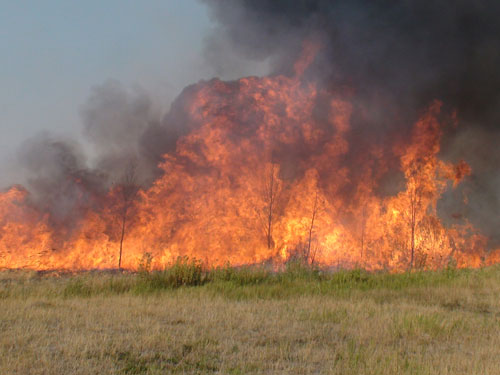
{"x": 53, "y": 52}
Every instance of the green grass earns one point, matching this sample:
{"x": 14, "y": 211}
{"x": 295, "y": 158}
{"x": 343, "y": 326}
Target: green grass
{"x": 258, "y": 281}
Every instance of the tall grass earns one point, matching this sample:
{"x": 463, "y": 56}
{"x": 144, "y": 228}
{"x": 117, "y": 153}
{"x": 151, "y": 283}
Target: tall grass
{"x": 184, "y": 272}
{"x": 259, "y": 281}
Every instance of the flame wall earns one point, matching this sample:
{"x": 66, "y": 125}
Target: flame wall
{"x": 266, "y": 172}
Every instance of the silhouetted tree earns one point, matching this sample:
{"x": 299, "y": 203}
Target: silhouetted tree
{"x": 311, "y": 227}
{"x": 363, "y": 231}
{"x": 415, "y": 204}
{"x": 271, "y": 194}
{"x": 127, "y": 189}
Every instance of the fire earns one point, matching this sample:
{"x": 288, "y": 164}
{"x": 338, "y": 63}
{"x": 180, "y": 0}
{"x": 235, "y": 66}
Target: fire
{"x": 261, "y": 176}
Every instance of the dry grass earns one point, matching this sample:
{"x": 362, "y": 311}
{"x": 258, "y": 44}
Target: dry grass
{"x": 433, "y": 323}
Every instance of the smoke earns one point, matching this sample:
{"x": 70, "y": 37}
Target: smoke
{"x": 58, "y": 178}
{"x": 479, "y": 199}
{"x": 410, "y": 50}
{"x": 114, "y": 121}
{"x": 121, "y": 126}
{"x": 396, "y": 57}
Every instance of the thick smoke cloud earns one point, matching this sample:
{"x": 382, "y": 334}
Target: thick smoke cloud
{"x": 396, "y": 56}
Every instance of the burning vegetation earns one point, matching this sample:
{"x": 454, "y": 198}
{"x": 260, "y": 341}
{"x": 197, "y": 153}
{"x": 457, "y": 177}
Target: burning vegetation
{"x": 261, "y": 176}
{"x": 297, "y": 165}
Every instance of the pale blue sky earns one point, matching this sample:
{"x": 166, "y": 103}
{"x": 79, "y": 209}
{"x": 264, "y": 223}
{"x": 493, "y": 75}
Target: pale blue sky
{"x": 52, "y": 52}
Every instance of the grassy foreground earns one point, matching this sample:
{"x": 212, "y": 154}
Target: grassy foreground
{"x": 250, "y": 321}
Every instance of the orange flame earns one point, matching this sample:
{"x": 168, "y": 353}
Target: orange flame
{"x": 225, "y": 196}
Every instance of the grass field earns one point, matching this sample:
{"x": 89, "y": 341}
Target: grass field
{"x": 250, "y": 321}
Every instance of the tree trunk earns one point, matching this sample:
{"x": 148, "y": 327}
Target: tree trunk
{"x": 412, "y": 254}
{"x": 363, "y": 230}
{"x": 312, "y": 226}
{"x": 121, "y": 241}
{"x": 270, "y": 212}
{"x": 414, "y": 202}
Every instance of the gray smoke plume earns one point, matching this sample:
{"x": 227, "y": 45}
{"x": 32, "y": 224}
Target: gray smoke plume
{"x": 122, "y": 127}
{"x": 115, "y": 120}
{"x": 58, "y": 177}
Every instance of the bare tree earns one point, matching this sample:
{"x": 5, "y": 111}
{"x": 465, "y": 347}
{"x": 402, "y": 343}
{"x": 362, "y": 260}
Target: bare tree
{"x": 415, "y": 196}
{"x": 271, "y": 193}
{"x": 304, "y": 252}
{"x": 311, "y": 227}
{"x": 128, "y": 189}
{"x": 363, "y": 231}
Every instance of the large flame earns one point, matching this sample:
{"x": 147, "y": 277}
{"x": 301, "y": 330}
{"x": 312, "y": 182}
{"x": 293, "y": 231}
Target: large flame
{"x": 260, "y": 177}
